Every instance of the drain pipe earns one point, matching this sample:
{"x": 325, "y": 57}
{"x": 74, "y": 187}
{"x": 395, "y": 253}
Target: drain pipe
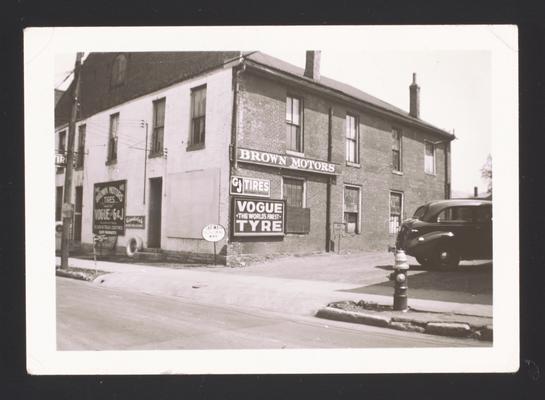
{"x": 328, "y": 187}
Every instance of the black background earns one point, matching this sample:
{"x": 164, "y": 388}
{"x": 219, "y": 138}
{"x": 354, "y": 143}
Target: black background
{"x": 527, "y": 383}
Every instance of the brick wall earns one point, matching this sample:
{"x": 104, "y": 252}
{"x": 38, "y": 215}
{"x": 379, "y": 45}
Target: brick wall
{"x": 261, "y": 125}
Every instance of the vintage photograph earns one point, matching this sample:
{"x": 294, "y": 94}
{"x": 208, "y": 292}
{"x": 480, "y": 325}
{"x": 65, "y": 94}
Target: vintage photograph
{"x": 329, "y": 198}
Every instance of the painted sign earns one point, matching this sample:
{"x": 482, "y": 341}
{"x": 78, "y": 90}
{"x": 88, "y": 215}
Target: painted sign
{"x": 109, "y": 208}
{"x": 285, "y": 161}
{"x": 253, "y": 217}
{"x": 60, "y": 160}
{"x": 244, "y": 186}
{"x": 135, "y": 221}
{"x": 213, "y": 233}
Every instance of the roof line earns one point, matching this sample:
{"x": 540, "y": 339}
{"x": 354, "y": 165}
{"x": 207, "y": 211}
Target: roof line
{"x": 383, "y": 110}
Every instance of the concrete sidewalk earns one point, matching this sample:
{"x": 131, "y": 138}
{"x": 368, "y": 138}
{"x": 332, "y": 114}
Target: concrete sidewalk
{"x": 245, "y": 288}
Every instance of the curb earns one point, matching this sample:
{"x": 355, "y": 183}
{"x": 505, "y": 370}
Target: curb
{"x": 453, "y": 329}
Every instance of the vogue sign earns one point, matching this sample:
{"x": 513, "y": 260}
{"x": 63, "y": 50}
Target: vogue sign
{"x": 285, "y": 161}
{"x": 253, "y": 217}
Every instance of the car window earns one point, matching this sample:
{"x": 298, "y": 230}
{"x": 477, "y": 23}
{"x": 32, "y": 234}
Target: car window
{"x": 456, "y": 214}
{"x": 420, "y": 212}
{"x": 484, "y": 214}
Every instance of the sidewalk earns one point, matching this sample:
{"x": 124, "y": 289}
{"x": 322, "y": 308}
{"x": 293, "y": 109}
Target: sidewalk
{"x": 301, "y": 290}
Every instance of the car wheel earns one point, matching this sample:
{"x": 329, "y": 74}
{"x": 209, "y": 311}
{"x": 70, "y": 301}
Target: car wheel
{"x": 446, "y": 256}
{"x": 423, "y": 261}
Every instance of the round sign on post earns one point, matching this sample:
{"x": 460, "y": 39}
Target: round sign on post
{"x": 213, "y": 233}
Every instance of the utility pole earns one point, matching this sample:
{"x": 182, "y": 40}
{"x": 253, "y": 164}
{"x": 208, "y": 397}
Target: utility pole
{"x": 68, "y": 207}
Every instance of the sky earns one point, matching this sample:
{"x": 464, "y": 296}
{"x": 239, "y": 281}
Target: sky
{"x": 455, "y": 93}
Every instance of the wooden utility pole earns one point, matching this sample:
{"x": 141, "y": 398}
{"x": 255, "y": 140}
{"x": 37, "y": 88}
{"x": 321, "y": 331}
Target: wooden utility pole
{"x": 68, "y": 207}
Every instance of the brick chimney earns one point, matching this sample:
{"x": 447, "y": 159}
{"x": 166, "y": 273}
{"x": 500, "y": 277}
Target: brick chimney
{"x": 414, "y": 106}
{"x": 312, "y": 66}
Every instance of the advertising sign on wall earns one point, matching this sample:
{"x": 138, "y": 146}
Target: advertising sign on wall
{"x": 109, "y": 208}
{"x": 244, "y": 186}
{"x": 253, "y": 217}
{"x": 135, "y": 221}
{"x": 285, "y": 161}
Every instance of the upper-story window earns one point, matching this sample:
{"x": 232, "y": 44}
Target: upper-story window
{"x": 429, "y": 158}
{"x": 294, "y": 132}
{"x": 198, "y": 117}
{"x": 80, "y": 154}
{"x": 396, "y": 150}
{"x": 112, "y": 138}
{"x": 352, "y": 139}
{"x": 119, "y": 70}
{"x": 157, "y": 138}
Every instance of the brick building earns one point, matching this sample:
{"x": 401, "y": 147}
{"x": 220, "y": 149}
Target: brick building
{"x": 230, "y": 134}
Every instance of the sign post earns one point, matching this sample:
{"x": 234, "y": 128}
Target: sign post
{"x": 213, "y": 233}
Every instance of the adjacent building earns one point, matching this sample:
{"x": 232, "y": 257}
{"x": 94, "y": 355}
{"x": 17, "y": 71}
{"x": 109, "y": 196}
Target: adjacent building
{"x": 287, "y": 160}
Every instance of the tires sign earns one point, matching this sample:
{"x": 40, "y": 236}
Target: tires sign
{"x": 244, "y": 186}
{"x": 253, "y": 217}
{"x": 109, "y": 208}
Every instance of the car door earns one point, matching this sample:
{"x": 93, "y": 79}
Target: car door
{"x": 483, "y": 231}
{"x": 459, "y": 221}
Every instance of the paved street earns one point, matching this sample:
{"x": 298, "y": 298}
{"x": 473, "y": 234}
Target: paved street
{"x": 91, "y": 317}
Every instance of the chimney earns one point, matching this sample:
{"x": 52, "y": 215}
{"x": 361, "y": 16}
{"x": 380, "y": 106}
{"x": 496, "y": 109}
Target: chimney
{"x": 414, "y": 89}
{"x": 312, "y": 66}
{"x": 475, "y": 191}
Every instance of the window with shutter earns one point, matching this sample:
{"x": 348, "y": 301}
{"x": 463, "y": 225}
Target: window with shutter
{"x": 352, "y": 209}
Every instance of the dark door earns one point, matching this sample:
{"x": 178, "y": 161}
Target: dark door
{"x": 154, "y": 214}
{"x": 459, "y": 221}
{"x": 77, "y": 213}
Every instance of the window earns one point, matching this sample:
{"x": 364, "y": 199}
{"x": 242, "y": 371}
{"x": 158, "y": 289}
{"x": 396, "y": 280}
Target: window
{"x": 396, "y": 150}
{"x": 352, "y": 209}
{"x": 396, "y": 211}
{"x": 293, "y": 192}
{"x": 456, "y": 214}
{"x": 352, "y": 140}
{"x": 294, "y": 137}
{"x": 158, "y": 127}
{"x": 112, "y": 141}
{"x": 198, "y": 117}
{"x": 297, "y": 217}
{"x": 119, "y": 70}
{"x": 58, "y": 204}
{"x": 80, "y": 154}
{"x": 429, "y": 158}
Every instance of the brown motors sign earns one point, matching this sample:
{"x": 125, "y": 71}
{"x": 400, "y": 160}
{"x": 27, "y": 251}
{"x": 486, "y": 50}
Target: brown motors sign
{"x": 285, "y": 161}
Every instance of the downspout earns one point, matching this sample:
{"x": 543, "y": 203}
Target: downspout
{"x": 328, "y": 187}
{"x": 447, "y": 170}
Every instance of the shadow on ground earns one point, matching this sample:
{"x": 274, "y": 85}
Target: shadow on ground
{"x": 467, "y": 283}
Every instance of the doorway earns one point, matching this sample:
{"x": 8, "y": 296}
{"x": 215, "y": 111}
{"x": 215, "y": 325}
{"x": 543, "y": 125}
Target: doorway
{"x": 77, "y": 213}
{"x": 154, "y": 213}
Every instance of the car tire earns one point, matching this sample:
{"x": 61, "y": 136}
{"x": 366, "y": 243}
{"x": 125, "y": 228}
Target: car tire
{"x": 446, "y": 256}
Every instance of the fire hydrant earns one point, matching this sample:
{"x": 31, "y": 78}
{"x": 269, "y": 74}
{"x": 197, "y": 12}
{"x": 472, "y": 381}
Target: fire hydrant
{"x": 399, "y": 276}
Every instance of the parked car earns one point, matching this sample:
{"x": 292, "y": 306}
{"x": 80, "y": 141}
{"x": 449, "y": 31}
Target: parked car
{"x": 443, "y": 232}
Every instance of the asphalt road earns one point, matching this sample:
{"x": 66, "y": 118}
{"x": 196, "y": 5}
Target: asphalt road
{"x": 90, "y": 317}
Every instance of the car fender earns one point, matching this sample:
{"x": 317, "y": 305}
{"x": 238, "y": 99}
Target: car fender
{"x": 425, "y": 242}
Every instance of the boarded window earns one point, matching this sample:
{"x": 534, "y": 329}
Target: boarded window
{"x": 396, "y": 211}
{"x": 158, "y": 126}
{"x": 198, "y": 116}
{"x": 297, "y": 217}
{"x": 294, "y": 137}
{"x": 352, "y": 153}
{"x": 352, "y": 209}
{"x": 429, "y": 158}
